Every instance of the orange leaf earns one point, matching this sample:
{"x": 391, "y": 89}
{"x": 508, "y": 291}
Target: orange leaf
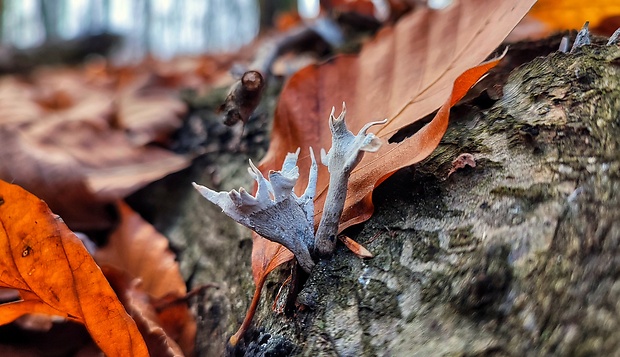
{"x": 355, "y": 247}
{"x": 67, "y": 139}
{"x": 140, "y": 307}
{"x": 572, "y": 14}
{"x": 136, "y": 248}
{"x": 55, "y": 274}
{"x": 267, "y": 256}
{"x": 405, "y": 73}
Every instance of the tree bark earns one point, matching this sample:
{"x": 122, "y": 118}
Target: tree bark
{"x": 517, "y": 256}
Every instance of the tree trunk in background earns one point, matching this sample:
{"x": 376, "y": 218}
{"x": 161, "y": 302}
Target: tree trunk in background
{"x": 50, "y": 19}
{"x": 149, "y": 26}
{"x": 518, "y": 256}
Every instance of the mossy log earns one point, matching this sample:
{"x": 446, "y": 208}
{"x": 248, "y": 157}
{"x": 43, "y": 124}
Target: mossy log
{"x": 517, "y": 256}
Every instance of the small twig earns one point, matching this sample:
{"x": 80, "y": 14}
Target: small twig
{"x": 243, "y": 98}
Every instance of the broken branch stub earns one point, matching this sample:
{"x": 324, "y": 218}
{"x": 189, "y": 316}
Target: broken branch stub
{"x": 275, "y": 213}
{"x": 243, "y": 98}
{"x": 346, "y": 152}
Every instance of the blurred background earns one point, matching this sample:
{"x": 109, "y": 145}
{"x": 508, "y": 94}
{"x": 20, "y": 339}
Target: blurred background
{"x": 162, "y": 28}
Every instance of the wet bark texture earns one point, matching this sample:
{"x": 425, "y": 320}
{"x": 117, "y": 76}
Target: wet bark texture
{"x": 518, "y": 256}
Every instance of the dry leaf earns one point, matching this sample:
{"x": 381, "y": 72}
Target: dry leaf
{"x": 405, "y": 73}
{"x": 55, "y": 274}
{"x": 140, "y": 308}
{"x": 355, "y": 247}
{"x": 136, "y": 248}
{"x": 572, "y": 14}
{"x": 361, "y": 7}
{"x": 149, "y": 116}
{"x": 80, "y": 142}
{"x": 80, "y": 166}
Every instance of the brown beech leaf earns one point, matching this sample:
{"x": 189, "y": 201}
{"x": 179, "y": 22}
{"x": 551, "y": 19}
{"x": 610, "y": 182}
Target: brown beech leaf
{"x": 403, "y": 74}
{"x": 80, "y": 143}
{"x": 137, "y": 249}
{"x": 55, "y": 274}
{"x": 355, "y": 247}
{"x": 140, "y": 308}
{"x": 149, "y": 117}
{"x": 79, "y": 166}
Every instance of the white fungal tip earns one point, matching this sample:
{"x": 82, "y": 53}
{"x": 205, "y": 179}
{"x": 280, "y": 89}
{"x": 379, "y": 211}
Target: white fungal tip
{"x": 324, "y": 158}
{"x": 372, "y": 145}
{"x": 206, "y": 192}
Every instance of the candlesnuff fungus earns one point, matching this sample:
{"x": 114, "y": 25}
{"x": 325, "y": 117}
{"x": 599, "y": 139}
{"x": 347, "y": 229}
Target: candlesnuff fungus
{"x": 346, "y": 152}
{"x": 275, "y": 213}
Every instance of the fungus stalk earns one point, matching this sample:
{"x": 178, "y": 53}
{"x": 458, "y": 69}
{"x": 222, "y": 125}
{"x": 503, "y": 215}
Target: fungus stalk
{"x": 346, "y": 152}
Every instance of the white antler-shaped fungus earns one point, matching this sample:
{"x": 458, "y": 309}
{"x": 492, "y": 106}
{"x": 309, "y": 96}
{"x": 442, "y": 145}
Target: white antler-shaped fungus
{"x": 275, "y": 213}
{"x": 346, "y": 152}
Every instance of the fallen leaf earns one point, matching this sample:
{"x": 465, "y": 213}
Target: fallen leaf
{"x": 405, "y": 73}
{"x": 572, "y": 14}
{"x": 80, "y": 167}
{"x": 55, "y": 274}
{"x": 79, "y": 141}
{"x": 136, "y": 248}
{"x": 140, "y": 308}
{"x": 355, "y": 247}
{"x": 361, "y": 7}
{"x": 149, "y": 115}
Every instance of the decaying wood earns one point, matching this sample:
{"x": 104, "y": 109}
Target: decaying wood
{"x": 515, "y": 256}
